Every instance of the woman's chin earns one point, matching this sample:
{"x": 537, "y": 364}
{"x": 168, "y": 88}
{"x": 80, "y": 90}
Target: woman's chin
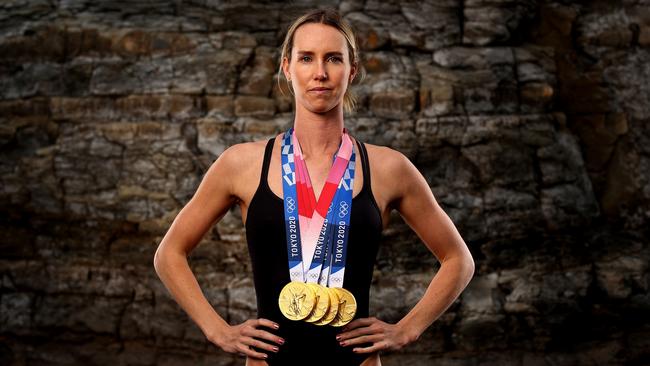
{"x": 321, "y": 107}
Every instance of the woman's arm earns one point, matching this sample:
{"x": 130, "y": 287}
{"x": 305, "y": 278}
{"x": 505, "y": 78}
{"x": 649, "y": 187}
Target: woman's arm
{"x": 210, "y": 203}
{"x": 417, "y": 205}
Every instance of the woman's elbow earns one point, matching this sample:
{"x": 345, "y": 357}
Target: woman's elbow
{"x": 158, "y": 259}
{"x": 463, "y": 263}
{"x": 468, "y": 266}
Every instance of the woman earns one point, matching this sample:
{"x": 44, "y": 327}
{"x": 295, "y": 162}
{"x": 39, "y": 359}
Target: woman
{"x": 319, "y": 60}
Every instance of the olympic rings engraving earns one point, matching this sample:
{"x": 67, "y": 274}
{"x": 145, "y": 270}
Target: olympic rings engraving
{"x": 343, "y": 209}
{"x": 291, "y": 205}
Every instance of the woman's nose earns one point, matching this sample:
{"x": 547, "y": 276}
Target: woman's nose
{"x": 321, "y": 72}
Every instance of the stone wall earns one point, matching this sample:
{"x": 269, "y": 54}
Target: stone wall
{"x": 527, "y": 118}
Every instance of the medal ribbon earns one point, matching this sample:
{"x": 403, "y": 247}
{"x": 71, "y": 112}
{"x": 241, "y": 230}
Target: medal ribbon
{"x": 313, "y": 216}
{"x": 339, "y": 227}
{"x": 291, "y": 221}
{"x": 309, "y": 234}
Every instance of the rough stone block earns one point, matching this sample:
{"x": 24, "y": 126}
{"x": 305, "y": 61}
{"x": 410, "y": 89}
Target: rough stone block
{"x": 219, "y": 106}
{"x": 32, "y": 79}
{"x": 370, "y": 30}
{"x": 257, "y": 77}
{"x": 46, "y": 44}
{"x": 16, "y": 312}
{"x": 119, "y": 78}
{"x": 397, "y": 104}
{"x": 249, "y": 106}
{"x": 80, "y": 313}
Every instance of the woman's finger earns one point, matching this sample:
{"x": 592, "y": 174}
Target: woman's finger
{"x": 361, "y": 322}
{"x": 259, "y": 344}
{"x": 246, "y": 350}
{"x": 372, "y": 338}
{"x": 267, "y": 323}
{"x": 364, "y": 330}
{"x": 262, "y": 334}
{"x": 374, "y": 348}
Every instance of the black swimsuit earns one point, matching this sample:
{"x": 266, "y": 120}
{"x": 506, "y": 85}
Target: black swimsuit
{"x": 306, "y": 343}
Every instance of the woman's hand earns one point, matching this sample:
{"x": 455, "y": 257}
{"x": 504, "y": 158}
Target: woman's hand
{"x": 383, "y": 336}
{"x": 240, "y": 338}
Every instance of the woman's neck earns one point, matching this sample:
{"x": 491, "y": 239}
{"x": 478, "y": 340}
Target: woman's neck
{"x": 319, "y": 135}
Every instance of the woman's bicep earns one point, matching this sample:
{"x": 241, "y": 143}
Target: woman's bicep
{"x": 420, "y": 210}
{"x": 211, "y": 201}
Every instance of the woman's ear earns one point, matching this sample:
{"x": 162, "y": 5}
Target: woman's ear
{"x": 285, "y": 68}
{"x": 353, "y": 73}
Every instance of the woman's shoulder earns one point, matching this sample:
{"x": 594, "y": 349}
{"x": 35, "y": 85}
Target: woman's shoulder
{"x": 391, "y": 171}
{"x": 384, "y": 157}
{"x": 244, "y": 162}
{"x": 246, "y": 152}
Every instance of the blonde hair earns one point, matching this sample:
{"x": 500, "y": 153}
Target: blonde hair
{"x": 332, "y": 18}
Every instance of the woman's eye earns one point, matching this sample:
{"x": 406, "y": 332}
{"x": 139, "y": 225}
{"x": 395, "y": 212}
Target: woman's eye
{"x": 333, "y": 58}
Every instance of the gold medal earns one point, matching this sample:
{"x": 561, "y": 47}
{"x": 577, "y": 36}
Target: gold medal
{"x": 296, "y": 300}
{"x": 333, "y": 309}
{"x": 347, "y": 307}
{"x": 322, "y": 302}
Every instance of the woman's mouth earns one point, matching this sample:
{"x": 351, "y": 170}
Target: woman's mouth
{"x": 320, "y": 90}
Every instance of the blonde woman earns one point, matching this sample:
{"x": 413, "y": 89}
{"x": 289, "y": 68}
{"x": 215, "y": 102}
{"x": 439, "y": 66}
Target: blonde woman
{"x": 319, "y": 60}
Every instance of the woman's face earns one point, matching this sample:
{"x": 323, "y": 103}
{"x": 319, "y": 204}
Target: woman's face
{"x": 319, "y": 59}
